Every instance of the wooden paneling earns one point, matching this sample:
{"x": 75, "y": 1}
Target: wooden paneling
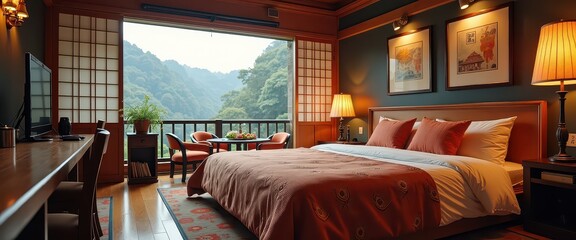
{"x": 310, "y": 134}
{"x": 112, "y": 168}
{"x": 410, "y": 9}
{"x": 293, "y": 21}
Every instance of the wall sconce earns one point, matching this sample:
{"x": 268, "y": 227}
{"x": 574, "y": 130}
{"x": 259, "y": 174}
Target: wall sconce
{"x": 15, "y": 12}
{"x": 400, "y": 22}
{"x": 465, "y": 3}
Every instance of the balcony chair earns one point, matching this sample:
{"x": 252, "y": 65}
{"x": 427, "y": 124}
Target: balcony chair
{"x": 277, "y": 141}
{"x": 81, "y": 225}
{"x": 67, "y": 195}
{"x": 183, "y": 153}
{"x": 202, "y": 137}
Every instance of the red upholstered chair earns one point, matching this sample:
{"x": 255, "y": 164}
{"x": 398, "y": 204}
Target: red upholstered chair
{"x": 80, "y": 223}
{"x": 184, "y": 153}
{"x": 202, "y": 137}
{"x": 277, "y": 141}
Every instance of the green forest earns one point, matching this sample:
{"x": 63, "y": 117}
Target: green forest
{"x": 260, "y": 92}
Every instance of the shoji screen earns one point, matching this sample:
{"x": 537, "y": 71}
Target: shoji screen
{"x": 89, "y": 77}
{"x": 315, "y": 86}
{"x": 88, "y": 68}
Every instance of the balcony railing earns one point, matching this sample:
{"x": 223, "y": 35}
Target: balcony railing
{"x": 184, "y": 128}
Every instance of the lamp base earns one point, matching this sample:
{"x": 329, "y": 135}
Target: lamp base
{"x": 341, "y": 131}
{"x": 562, "y": 158}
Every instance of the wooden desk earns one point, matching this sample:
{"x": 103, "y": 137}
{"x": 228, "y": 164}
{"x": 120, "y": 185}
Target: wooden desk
{"x": 29, "y": 173}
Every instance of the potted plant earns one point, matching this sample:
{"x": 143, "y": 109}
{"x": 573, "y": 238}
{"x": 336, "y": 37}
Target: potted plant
{"x": 143, "y": 115}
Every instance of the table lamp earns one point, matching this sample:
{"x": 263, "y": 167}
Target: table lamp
{"x": 342, "y": 107}
{"x": 555, "y": 64}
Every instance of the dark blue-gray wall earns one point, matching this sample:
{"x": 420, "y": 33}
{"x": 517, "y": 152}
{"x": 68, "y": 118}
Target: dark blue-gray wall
{"x": 13, "y": 44}
{"x": 364, "y": 73}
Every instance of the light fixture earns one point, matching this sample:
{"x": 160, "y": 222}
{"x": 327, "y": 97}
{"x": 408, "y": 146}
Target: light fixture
{"x": 15, "y": 12}
{"x": 206, "y": 15}
{"x": 400, "y": 22}
{"x": 555, "y": 64}
{"x": 465, "y": 3}
{"x": 342, "y": 107}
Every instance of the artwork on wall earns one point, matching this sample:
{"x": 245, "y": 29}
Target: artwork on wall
{"x": 479, "y": 49}
{"x": 409, "y": 62}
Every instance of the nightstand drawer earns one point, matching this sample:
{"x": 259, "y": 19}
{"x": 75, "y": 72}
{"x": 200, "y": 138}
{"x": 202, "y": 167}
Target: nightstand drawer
{"x": 144, "y": 141}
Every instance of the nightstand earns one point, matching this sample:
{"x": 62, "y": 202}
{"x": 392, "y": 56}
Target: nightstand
{"x": 142, "y": 158}
{"x": 342, "y": 142}
{"x": 549, "y": 206}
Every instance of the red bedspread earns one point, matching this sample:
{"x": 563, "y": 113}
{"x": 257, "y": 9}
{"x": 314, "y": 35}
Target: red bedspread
{"x": 309, "y": 194}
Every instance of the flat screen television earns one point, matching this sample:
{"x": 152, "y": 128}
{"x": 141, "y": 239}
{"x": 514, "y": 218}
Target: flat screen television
{"x": 37, "y": 108}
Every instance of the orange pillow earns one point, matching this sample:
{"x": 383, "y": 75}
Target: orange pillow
{"x": 439, "y": 137}
{"x": 391, "y": 134}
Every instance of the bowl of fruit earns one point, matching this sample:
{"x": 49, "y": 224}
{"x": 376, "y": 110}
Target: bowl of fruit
{"x": 238, "y": 135}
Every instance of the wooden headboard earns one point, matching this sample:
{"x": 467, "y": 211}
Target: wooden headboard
{"x": 528, "y": 138}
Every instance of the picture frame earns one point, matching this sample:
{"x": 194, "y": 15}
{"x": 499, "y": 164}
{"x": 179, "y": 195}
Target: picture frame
{"x": 410, "y": 62}
{"x": 479, "y": 49}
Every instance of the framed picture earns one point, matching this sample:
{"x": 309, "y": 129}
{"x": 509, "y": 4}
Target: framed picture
{"x": 478, "y": 49}
{"x": 409, "y": 66}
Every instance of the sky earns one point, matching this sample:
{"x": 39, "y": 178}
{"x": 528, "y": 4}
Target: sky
{"x": 217, "y": 52}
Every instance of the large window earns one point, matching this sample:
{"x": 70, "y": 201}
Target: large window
{"x": 196, "y": 74}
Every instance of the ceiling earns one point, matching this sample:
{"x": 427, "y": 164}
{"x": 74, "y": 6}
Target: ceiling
{"x": 331, "y": 5}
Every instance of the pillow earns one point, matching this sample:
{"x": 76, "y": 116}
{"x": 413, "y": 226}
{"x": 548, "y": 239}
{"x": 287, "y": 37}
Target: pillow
{"x": 438, "y": 137}
{"x": 391, "y": 134}
{"x": 387, "y": 119}
{"x": 487, "y": 140}
{"x": 414, "y": 128}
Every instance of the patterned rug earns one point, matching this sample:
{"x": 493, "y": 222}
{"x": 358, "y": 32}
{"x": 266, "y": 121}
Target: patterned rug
{"x": 202, "y": 217}
{"x": 104, "y": 206}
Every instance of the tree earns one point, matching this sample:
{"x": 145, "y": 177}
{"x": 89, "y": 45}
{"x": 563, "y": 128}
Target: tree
{"x": 265, "y": 92}
{"x": 233, "y": 113}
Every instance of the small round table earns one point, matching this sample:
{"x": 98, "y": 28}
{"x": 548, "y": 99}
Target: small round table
{"x": 241, "y": 144}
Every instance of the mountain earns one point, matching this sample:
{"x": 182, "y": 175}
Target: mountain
{"x": 185, "y": 92}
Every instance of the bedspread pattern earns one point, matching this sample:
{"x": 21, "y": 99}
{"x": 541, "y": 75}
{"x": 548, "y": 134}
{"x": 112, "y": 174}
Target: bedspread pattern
{"x": 309, "y": 194}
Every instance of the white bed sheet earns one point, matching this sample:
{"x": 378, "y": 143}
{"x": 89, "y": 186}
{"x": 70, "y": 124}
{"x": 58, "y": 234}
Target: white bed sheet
{"x": 515, "y": 172}
{"x": 468, "y": 187}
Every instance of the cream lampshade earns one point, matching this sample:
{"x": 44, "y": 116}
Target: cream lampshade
{"x": 342, "y": 107}
{"x": 555, "y": 64}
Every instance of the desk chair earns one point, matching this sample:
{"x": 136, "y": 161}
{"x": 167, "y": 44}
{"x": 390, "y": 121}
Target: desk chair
{"x": 183, "y": 153}
{"x": 80, "y": 225}
{"x": 67, "y": 195}
{"x": 100, "y": 124}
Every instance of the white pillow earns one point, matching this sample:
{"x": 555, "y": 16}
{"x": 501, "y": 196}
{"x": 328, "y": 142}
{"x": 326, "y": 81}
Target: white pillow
{"x": 387, "y": 119}
{"x": 487, "y": 140}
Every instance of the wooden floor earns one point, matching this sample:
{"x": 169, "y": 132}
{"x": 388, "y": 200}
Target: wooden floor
{"x": 138, "y": 210}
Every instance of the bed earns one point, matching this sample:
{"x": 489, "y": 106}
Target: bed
{"x": 336, "y": 191}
